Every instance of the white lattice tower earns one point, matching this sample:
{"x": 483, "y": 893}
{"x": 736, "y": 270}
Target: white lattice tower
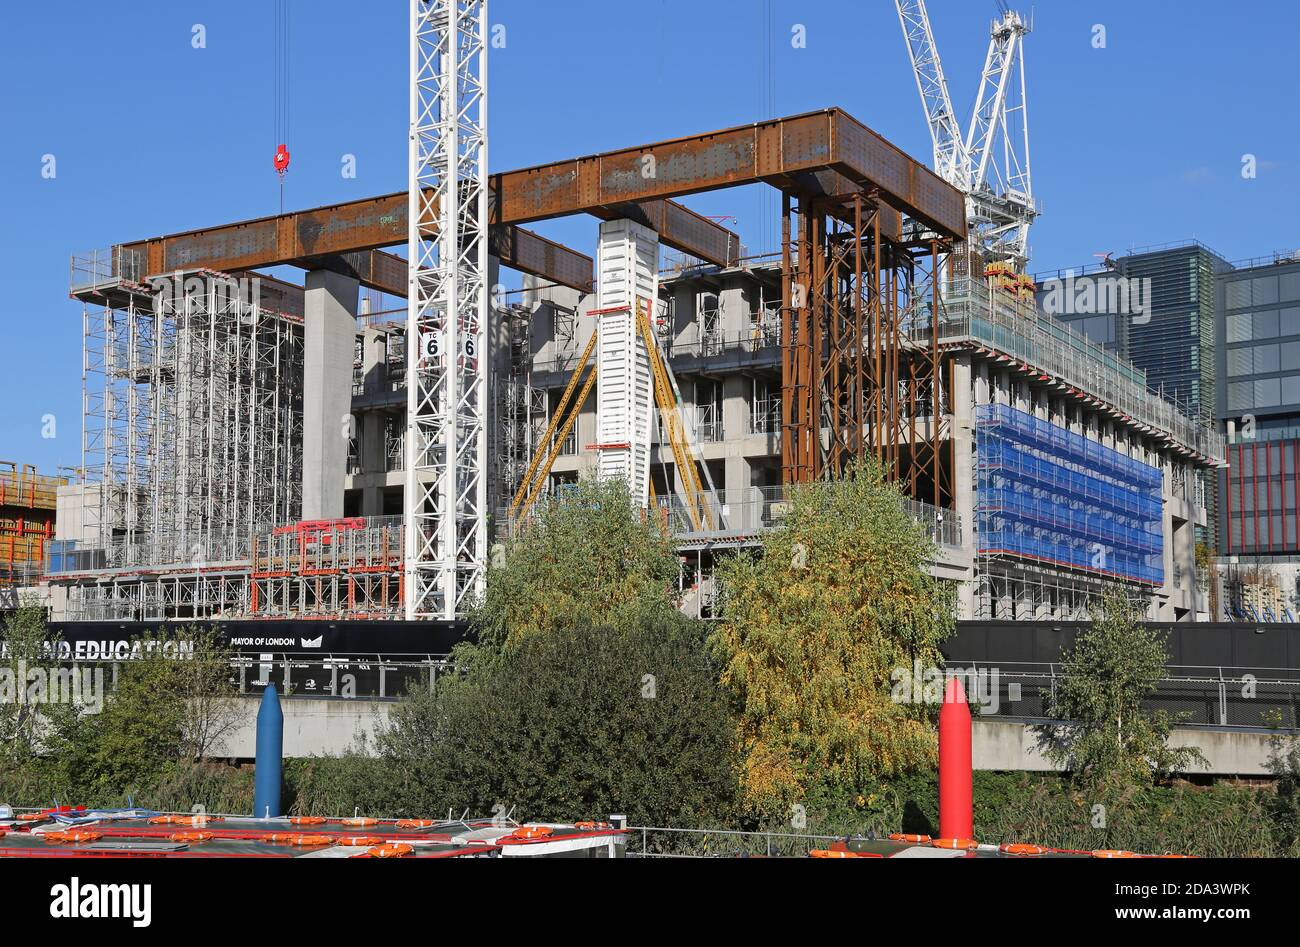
{"x": 446, "y": 372}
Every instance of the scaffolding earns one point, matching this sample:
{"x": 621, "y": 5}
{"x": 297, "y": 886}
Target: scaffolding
{"x": 192, "y": 416}
{"x": 520, "y": 407}
{"x": 1059, "y": 517}
{"x": 346, "y": 568}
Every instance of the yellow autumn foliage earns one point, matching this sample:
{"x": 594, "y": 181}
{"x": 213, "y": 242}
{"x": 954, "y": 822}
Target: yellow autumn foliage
{"x": 813, "y": 629}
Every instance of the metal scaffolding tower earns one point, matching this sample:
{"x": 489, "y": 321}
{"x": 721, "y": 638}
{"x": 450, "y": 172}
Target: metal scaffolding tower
{"x": 446, "y": 376}
{"x": 192, "y": 400}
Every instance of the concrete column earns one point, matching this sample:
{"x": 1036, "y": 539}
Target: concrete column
{"x": 329, "y": 335}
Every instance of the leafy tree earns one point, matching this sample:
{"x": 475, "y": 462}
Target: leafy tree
{"x": 575, "y": 723}
{"x": 586, "y": 557}
{"x": 814, "y": 628}
{"x": 26, "y": 643}
{"x": 167, "y": 707}
{"x": 1108, "y": 739}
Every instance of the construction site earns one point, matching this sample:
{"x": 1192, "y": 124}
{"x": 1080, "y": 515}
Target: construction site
{"x": 353, "y": 445}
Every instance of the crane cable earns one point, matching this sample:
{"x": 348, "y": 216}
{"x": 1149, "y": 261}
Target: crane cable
{"x": 282, "y": 92}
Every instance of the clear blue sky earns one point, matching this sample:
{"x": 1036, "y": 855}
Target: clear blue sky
{"x": 1137, "y": 143}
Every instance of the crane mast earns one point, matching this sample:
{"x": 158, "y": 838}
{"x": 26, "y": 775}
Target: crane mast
{"x": 445, "y": 508}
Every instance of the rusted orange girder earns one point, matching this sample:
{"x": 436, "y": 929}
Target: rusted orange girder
{"x": 784, "y": 152}
{"x": 347, "y": 237}
{"x": 826, "y": 153}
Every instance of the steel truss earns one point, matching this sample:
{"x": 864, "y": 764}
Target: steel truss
{"x": 854, "y": 384}
{"x": 446, "y": 477}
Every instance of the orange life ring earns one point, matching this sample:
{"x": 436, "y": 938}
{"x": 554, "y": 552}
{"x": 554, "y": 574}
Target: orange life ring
{"x": 360, "y": 823}
{"x": 1021, "y": 849}
{"x": 73, "y": 835}
{"x": 31, "y": 816}
{"x": 390, "y": 850}
{"x": 967, "y": 844}
{"x": 414, "y": 823}
{"x": 307, "y": 841}
{"x": 833, "y": 853}
{"x": 588, "y": 826}
{"x": 904, "y": 837}
{"x": 367, "y": 840}
{"x": 1112, "y": 853}
{"x": 530, "y": 832}
{"x": 306, "y": 820}
{"x": 192, "y": 836}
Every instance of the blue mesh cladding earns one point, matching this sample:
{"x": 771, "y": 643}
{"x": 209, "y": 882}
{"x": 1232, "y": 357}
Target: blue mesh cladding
{"x": 1048, "y": 494}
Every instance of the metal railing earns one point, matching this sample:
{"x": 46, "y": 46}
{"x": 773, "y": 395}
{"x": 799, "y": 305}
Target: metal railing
{"x": 1250, "y": 698}
{"x": 97, "y": 268}
{"x": 659, "y": 842}
{"x": 1018, "y": 329}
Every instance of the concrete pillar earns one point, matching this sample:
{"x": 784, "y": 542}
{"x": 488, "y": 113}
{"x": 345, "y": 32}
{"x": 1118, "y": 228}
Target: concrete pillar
{"x": 329, "y": 335}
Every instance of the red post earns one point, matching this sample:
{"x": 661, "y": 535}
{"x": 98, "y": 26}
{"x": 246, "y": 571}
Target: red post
{"x": 956, "y": 809}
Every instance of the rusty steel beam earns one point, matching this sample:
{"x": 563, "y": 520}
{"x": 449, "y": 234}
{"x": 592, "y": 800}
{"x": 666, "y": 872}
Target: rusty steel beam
{"x": 347, "y": 237}
{"x": 780, "y": 152}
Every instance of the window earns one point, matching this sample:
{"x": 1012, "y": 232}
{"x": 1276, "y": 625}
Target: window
{"x": 1263, "y": 291}
{"x": 1239, "y": 328}
{"x": 1264, "y": 324}
{"x": 1268, "y": 393}
{"x": 1238, "y": 294}
{"x": 1289, "y": 288}
{"x": 1291, "y": 389}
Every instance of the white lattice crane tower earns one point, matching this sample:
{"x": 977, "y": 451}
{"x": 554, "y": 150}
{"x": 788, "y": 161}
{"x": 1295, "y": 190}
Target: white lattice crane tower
{"x": 445, "y": 509}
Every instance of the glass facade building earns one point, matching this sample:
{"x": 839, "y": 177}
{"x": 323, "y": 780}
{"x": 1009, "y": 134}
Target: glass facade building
{"x": 1258, "y": 330}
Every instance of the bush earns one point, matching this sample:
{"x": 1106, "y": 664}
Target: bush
{"x": 574, "y": 724}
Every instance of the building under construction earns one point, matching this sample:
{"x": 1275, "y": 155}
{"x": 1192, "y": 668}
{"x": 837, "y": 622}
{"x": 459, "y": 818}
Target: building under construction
{"x": 28, "y": 502}
{"x": 254, "y": 448}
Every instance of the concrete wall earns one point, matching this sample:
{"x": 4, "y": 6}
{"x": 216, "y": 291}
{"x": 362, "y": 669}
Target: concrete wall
{"x": 318, "y": 727}
{"x": 312, "y": 726}
{"x": 1010, "y": 745}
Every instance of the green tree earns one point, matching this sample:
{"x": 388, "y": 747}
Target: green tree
{"x": 26, "y": 647}
{"x": 814, "y": 629}
{"x": 589, "y": 557}
{"x": 1108, "y": 739}
{"x": 573, "y": 724}
{"x": 168, "y": 707}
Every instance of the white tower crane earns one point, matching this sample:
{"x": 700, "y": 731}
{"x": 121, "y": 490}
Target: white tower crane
{"x": 445, "y": 508}
{"x": 990, "y": 162}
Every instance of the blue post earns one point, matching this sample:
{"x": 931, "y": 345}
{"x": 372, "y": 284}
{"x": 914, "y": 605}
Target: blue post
{"x": 270, "y": 750}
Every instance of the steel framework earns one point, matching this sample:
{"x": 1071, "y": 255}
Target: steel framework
{"x": 854, "y": 383}
{"x": 192, "y": 407}
{"x": 446, "y": 443}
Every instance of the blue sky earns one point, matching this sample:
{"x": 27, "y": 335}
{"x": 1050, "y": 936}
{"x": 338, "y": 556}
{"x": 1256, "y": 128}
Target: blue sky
{"x": 1137, "y": 143}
